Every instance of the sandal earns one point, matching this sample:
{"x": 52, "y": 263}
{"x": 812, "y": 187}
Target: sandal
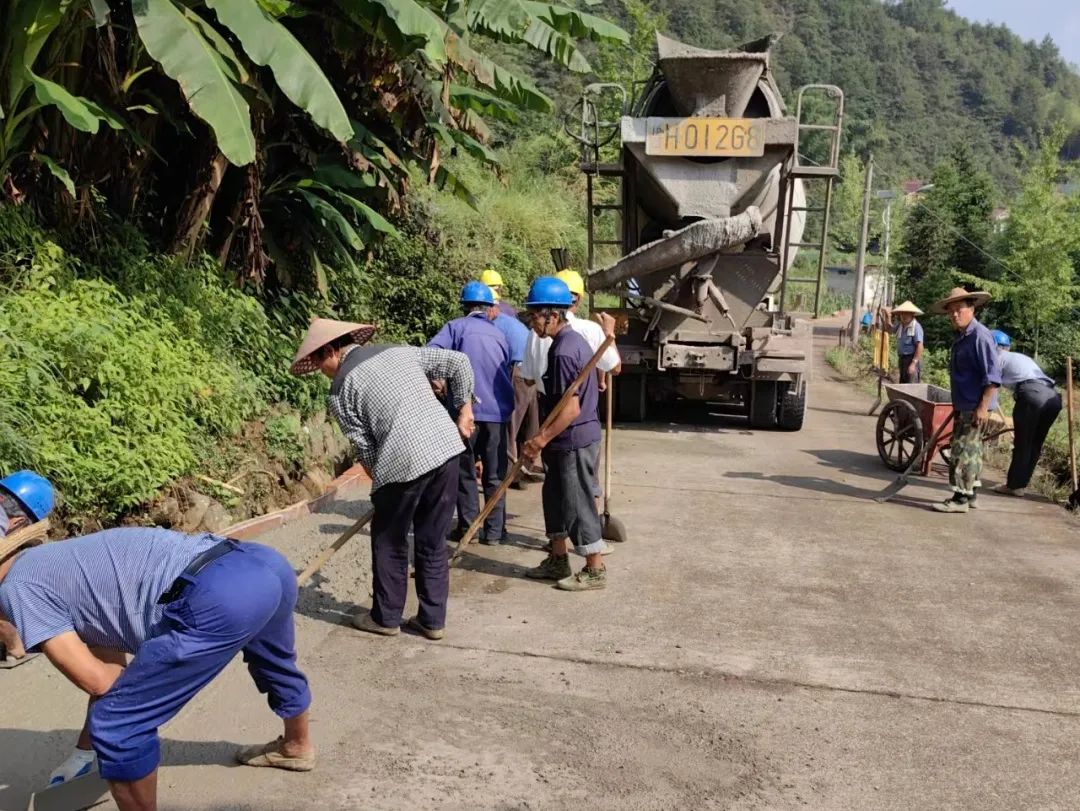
{"x": 270, "y": 755}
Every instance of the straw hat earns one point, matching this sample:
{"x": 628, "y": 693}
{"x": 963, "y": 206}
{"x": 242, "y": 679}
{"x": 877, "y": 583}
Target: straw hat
{"x": 321, "y": 332}
{"x": 960, "y": 294}
{"x": 27, "y": 536}
{"x": 907, "y": 307}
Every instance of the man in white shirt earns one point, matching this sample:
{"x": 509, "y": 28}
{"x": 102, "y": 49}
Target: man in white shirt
{"x": 1037, "y": 405}
{"x": 536, "y": 350}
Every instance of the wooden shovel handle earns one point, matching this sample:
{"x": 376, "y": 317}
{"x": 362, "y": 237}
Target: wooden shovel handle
{"x": 346, "y": 536}
{"x": 489, "y": 503}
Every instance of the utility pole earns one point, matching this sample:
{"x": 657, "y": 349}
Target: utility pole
{"x": 860, "y": 260}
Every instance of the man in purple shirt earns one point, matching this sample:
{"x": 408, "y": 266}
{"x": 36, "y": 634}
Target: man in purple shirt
{"x": 974, "y": 377}
{"x": 489, "y": 354}
{"x": 568, "y": 445}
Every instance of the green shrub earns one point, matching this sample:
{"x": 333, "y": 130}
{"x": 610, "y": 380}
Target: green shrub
{"x": 116, "y": 397}
{"x": 284, "y": 440}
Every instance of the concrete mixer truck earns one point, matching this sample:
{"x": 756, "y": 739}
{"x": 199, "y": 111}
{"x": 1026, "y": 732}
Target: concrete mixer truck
{"x": 712, "y": 208}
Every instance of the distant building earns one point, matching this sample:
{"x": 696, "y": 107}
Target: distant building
{"x": 840, "y": 281}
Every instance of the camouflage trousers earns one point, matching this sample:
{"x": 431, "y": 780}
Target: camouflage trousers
{"x": 965, "y": 453}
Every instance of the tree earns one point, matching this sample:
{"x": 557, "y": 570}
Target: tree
{"x": 1042, "y": 240}
{"x": 99, "y": 92}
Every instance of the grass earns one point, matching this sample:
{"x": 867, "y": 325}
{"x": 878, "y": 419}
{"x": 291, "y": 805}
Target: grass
{"x": 1051, "y": 477}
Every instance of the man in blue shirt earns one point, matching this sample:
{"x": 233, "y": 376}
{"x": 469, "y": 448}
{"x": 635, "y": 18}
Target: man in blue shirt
{"x": 909, "y": 339}
{"x": 489, "y": 354}
{"x": 568, "y": 445}
{"x": 184, "y": 606}
{"x": 1037, "y": 405}
{"x": 975, "y": 375}
{"x": 525, "y": 420}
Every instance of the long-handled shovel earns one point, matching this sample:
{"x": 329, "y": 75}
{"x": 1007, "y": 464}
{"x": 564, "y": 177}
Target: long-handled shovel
{"x": 612, "y": 529}
{"x": 346, "y": 536}
{"x": 490, "y": 502}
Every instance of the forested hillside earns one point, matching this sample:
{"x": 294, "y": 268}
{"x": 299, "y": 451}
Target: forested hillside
{"x": 919, "y": 79}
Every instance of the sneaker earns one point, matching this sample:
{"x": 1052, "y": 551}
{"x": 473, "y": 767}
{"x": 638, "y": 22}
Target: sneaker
{"x": 585, "y": 580}
{"x": 434, "y": 634}
{"x": 973, "y": 502}
{"x": 1005, "y": 490}
{"x": 956, "y": 504}
{"x": 365, "y": 622}
{"x": 552, "y": 568}
{"x": 608, "y": 549}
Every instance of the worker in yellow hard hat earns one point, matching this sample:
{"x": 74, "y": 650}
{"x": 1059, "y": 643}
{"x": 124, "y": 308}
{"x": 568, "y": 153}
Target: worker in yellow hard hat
{"x": 493, "y": 279}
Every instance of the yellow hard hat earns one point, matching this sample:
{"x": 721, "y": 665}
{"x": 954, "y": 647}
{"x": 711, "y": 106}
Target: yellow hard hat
{"x": 573, "y": 280}
{"x": 491, "y": 278}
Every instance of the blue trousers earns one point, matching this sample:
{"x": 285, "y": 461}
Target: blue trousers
{"x": 241, "y": 602}
{"x": 488, "y": 445}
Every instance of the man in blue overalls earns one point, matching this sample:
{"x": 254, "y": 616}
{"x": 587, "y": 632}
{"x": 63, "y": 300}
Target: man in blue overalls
{"x": 488, "y": 352}
{"x": 184, "y": 606}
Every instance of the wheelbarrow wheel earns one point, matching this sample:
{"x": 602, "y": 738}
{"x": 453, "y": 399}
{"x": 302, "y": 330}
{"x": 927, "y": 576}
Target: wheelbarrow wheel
{"x": 900, "y": 435}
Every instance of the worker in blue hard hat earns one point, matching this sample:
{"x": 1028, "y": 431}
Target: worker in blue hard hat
{"x": 568, "y": 445}
{"x": 1037, "y": 405}
{"x": 488, "y": 352}
{"x": 25, "y": 498}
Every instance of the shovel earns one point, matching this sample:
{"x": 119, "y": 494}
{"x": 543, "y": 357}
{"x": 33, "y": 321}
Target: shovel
{"x": 489, "y": 503}
{"x": 74, "y": 795}
{"x": 612, "y": 529}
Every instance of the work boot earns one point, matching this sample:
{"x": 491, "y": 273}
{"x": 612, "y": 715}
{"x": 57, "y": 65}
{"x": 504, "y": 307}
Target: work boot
{"x": 585, "y": 580}
{"x": 1005, "y": 490}
{"x": 433, "y": 634}
{"x": 553, "y": 568}
{"x": 956, "y": 504}
{"x": 365, "y": 622}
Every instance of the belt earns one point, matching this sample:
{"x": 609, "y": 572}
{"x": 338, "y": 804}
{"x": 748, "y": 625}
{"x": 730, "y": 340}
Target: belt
{"x": 201, "y": 561}
{"x": 1037, "y": 382}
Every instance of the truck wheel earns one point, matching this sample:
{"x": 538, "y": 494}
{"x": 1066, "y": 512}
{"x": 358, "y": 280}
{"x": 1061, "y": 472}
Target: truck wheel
{"x": 763, "y": 403}
{"x": 792, "y": 407}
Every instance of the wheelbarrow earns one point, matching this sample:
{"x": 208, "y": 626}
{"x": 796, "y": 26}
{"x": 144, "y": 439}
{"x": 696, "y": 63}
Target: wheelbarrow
{"x": 915, "y": 415}
{"x": 915, "y": 426}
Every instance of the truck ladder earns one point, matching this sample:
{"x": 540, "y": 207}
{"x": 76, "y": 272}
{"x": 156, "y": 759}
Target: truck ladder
{"x": 810, "y": 172}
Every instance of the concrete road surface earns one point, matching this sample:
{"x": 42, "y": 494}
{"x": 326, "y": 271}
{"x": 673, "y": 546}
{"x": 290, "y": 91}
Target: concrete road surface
{"x": 770, "y": 638}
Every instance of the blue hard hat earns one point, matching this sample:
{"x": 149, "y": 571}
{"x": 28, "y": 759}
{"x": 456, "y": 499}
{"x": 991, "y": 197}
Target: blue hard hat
{"x": 477, "y": 293}
{"x": 1000, "y": 338}
{"x": 33, "y": 493}
{"x": 547, "y": 291}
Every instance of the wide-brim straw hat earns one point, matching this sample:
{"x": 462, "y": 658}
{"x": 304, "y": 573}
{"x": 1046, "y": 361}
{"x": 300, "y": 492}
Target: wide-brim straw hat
{"x": 27, "y": 536}
{"x": 960, "y": 294}
{"x": 321, "y": 332}
{"x": 907, "y": 307}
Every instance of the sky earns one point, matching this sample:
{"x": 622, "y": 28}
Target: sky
{"x": 1031, "y": 19}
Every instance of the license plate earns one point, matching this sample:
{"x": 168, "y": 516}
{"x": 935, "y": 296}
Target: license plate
{"x": 705, "y": 137}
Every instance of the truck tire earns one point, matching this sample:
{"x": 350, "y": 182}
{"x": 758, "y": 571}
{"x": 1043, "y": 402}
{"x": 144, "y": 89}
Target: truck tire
{"x": 792, "y": 407}
{"x": 763, "y": 402}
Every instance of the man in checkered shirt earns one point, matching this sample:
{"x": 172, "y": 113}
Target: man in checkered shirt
{"x": 382, "y": 398}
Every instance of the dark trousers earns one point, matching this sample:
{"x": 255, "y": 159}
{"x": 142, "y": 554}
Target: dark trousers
{"x": 488, "y": 446}
{"x": 1037, "y": 406}
{"x": 569, "y": 507}
{"x": 525, "y": 421}
{"x": 426, "y": 506}
{"x": 905, "y": 364}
